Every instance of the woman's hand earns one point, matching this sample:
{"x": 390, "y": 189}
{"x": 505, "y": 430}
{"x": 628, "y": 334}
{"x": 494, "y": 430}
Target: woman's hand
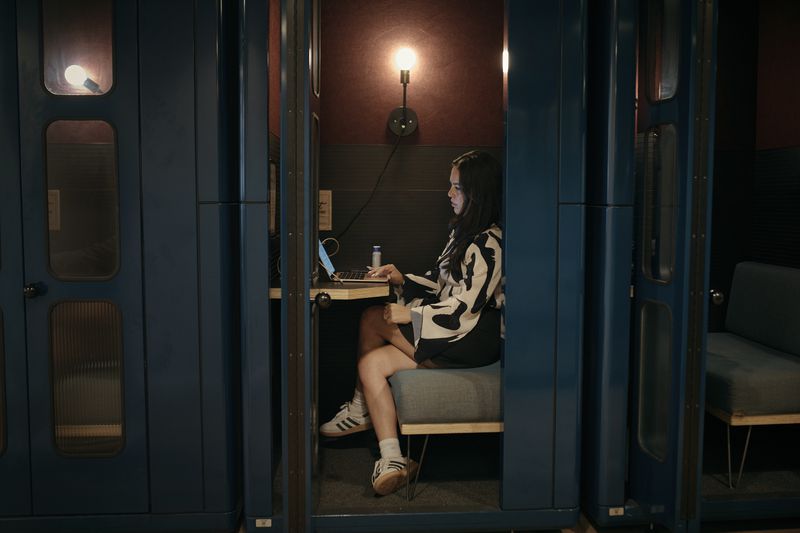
{"x": 390, "y": 271}
{"x": 396, "y": 314}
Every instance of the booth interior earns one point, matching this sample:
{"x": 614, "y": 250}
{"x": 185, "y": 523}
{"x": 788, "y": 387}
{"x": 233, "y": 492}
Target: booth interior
{"x": 377, "y": 188}
{"x": 753, "y": 360}
{"x": 391, "y": 191}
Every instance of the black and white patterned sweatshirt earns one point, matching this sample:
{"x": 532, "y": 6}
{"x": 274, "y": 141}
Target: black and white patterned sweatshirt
{"x": 445, "y": 308}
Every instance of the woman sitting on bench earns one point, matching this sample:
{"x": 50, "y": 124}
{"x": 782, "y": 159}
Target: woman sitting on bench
{"x": 448, "y": 318}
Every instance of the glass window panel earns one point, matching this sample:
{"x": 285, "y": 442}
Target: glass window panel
{"x": 655, "y": 357}
{"x": 83, "y": 201}
{"x": 77, "y": 46}
{"x": 658, "y": 164}
{"x": 662, "y": 48}
{"x": 2, "y": 386}
{"x": 86, "y": 358}
{"x": 315, "y": 46}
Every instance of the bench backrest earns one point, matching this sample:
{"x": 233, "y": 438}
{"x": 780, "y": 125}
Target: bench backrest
{"x": 764, "y": 305}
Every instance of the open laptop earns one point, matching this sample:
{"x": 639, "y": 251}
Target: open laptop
{"x": 360, "y": 276}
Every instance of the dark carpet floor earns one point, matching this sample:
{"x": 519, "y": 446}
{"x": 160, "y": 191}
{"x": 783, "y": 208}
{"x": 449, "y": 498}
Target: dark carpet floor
{"x": 459, "y": 473}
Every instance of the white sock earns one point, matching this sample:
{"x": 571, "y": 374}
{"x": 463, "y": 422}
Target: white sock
{"x": 358, "y": 404}
{"x": 390, "y": 448}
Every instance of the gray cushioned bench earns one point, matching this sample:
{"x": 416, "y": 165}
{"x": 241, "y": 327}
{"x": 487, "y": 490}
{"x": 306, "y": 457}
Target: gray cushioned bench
{"x": 753, "y": 369}
{"x": 453, "y": 400}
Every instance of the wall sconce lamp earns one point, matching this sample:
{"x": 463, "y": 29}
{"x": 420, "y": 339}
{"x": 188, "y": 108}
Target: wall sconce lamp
{"x": 76, "y": 75}
{"x": 403, "y": 120}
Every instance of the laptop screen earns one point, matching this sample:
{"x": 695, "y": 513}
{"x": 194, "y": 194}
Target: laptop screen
{"x": 326, "y": 261}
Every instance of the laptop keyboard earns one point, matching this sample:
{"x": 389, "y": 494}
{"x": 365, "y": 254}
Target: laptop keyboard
{"x": 352, "y": 274}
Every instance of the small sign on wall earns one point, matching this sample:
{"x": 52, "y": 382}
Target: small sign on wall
{"x": 273, "y": 196}
{"x": 325, "y": 210}
{"x": 54, "y": 209}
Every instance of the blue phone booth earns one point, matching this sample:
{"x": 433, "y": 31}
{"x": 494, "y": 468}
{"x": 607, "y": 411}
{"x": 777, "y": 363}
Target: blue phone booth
{"x": 646, "y": 256}
{"x": 536, "y": 482}
{"x": 117, "y": 310}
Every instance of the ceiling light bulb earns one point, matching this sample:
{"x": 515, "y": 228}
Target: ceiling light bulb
{"x": 505, "y": 61}
{"x": 75, "y": 75}
{"x": 405, "y": 58}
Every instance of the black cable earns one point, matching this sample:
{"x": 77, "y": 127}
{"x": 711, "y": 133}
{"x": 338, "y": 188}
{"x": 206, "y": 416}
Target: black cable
{"x": 374, "y": 189}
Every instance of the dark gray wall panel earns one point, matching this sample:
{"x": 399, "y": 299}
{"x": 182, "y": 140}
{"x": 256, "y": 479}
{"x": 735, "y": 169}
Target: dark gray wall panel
{"x": 776, "y": 217}
{"x": 409, "y": 213}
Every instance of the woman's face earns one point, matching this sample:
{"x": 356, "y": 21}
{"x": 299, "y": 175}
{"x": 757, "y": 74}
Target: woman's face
{"x": 455, "y": 194}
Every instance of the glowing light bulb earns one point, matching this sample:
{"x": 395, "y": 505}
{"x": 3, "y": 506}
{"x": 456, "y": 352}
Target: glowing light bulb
{"x": 405, "y": 58}
{"x": 76, "y": 75}
{"x": 505, "y": 61}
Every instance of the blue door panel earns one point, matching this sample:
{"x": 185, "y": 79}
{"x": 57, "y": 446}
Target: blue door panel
{"x": 217, "y": 225}
{"x": 82, "y": 484}
{"x": 606, "y": 370}
{"x": 212, "y": 60}
{"x": 257, "y": 393}
{"x": 14, "y": 455}
{"x": 254, "y": 97}
{"x": 612, "y": 71}
{"x": 572, "y": 183}
{"x": 655, "y": 482}
{"x": 571, "y": 275}
{"x": 530, "y": 248}
{"x": 170, "y": 247}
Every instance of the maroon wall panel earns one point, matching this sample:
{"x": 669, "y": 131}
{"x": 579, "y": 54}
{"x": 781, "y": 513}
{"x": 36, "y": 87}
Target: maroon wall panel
{"x": 778, "y": 115}
{"x": 274, "y": 74}
{"x": 456, "y": 85}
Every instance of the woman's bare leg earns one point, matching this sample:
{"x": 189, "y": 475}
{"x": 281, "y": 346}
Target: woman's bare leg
{"x": 374, "y": 369}
{"x": 374, "y": 332}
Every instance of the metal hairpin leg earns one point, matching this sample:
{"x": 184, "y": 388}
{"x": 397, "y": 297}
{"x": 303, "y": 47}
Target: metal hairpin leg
{"x": 409, "y": 491}
{"x": 730, "y": 481}
{"x": 408, "y": 459}
{"x": 744, "y": 456}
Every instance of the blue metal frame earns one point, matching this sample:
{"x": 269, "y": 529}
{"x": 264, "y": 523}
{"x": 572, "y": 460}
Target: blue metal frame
{"x": 15, "y": 496}
{"x": 543, "y": 224}
{"x": 252, "y": 23}
{"x": 610, "y": 151}
{"x": 170, "y": 245}
{"x": 543, "y": 246}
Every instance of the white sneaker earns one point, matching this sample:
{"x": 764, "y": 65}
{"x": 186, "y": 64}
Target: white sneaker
{"x": 345, "y": 422}
{"x": 392, "y": 473}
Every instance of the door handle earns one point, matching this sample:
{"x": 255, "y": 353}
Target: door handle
{"x": 717, "y": 298}
{"x": 32, "y": 290}
{"x": 323, "y": 300}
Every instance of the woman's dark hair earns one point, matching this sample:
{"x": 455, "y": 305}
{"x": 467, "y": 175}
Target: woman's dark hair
{"x": 480, "y": 177}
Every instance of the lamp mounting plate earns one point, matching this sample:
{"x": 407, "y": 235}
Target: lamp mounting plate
{"x": 402, "y": 127}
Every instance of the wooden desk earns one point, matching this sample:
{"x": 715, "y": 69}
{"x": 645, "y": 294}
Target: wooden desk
{"x": 342, "y": 291}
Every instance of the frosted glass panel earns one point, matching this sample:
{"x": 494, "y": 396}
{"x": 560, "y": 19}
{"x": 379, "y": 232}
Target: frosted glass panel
{"x": 82, "y": 200}
{"x": 659, "y": 208}
{"x": 77, "y": 46}
{"x": 662, "y": 48}
{"x": 86, "y": 358}
{"x": 655, "y": 362}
